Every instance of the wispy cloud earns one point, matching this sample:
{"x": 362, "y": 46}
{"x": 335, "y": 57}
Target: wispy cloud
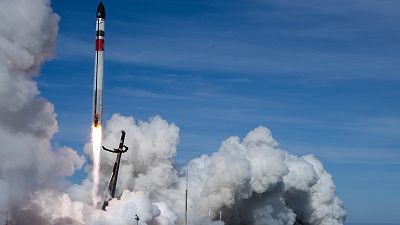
{"x": 70, "y": 47}
{"x": 333, "y": 42}
{"x": 349, "y": 155}
{"x": 386, "y": 126}
{"x": 140, "y": 93}
{"x": 223, "y": 55}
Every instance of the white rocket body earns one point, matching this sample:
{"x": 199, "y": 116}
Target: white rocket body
{"x": 99, "y": 68}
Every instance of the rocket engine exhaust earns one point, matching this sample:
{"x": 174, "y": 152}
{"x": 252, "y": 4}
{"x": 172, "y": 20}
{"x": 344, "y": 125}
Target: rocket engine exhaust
{"x": 96, "y": 143}
{"x": 98, "y": 98}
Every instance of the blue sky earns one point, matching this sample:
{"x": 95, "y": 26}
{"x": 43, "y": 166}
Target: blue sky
{"x": 322, "y": 75}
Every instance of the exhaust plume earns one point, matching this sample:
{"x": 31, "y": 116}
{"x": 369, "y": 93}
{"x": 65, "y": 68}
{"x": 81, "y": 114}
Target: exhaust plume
{"x": 96, "y": 148}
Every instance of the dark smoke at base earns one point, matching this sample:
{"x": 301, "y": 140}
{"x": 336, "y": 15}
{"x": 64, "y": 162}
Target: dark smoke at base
{"x": 251, "y": 180}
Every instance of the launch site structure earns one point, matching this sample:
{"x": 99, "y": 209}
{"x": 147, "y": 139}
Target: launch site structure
{"x": 112, "y": 184}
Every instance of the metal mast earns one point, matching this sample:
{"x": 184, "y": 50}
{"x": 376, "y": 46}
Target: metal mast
{"x": 186, "y": 194}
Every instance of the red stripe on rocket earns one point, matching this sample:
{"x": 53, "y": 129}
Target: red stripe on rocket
{"x": 99, "y": 44}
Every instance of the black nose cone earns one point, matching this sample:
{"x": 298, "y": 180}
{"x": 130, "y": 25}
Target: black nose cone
{"x": 101, "y": 12}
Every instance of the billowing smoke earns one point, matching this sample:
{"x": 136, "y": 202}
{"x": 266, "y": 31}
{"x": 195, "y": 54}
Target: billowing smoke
{"x": 249, "y": 180}
{"x": 28, "y": 30}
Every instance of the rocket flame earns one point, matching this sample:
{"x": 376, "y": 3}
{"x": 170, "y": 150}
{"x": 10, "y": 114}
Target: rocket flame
{"x": 96, "y": 143}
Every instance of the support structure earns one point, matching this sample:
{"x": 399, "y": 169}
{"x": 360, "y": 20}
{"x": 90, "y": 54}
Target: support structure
{"x": 112, "y": 184}
{"x": 137, "y": 219}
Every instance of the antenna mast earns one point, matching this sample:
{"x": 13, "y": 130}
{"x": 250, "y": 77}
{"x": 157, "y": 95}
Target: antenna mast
{"x": 186, "y": 194}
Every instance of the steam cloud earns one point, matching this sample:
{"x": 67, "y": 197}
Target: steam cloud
{"x": 251, "y": 180}
{"x": 27, "y": 121}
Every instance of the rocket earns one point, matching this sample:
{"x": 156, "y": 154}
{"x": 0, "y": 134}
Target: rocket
{"x": 99, "y": 67}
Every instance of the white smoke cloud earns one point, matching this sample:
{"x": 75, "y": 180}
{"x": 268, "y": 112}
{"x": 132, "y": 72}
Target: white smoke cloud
{"x": 28, "y": 31}
{"x": 250, "y": 180}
